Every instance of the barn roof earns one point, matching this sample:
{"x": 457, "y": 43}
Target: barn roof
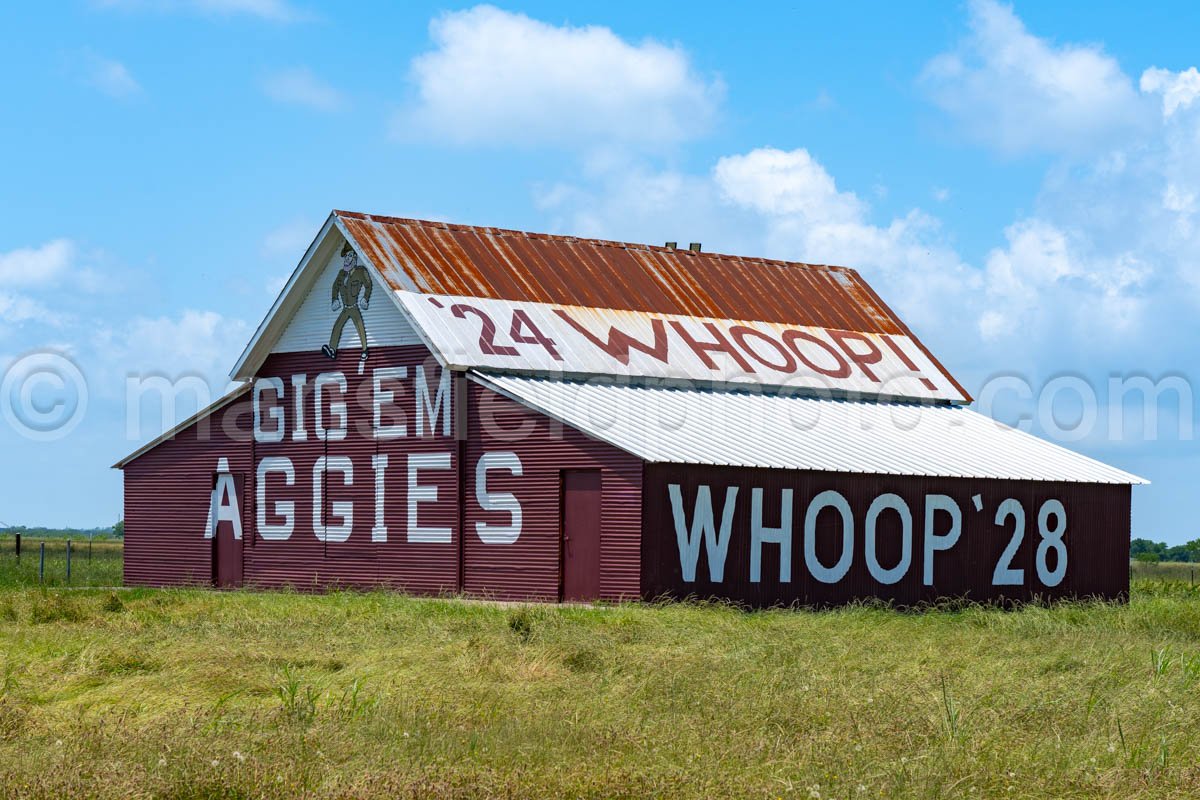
{"x": 467, "y": 261}
{"x": 628, "y": 287}
{"x": 756, "y": 429}
{"x": 587, "y": 286}
{"x": 585, "y": 291}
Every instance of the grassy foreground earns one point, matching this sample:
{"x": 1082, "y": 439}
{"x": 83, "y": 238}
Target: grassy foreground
{"x": 100, "y": 564}
{"x": 206, "y": 694}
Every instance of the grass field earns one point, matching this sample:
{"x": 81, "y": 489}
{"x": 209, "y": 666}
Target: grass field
{"x": 1167, "y": 571}
{"x": 102, "y": 568}
{"x": 145, "y": 693}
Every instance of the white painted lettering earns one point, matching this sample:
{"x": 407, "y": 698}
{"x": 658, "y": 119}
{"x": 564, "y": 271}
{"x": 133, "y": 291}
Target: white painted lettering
{"x": 337, "y": 409}
{"x": 275, "y": 412}
{"x": 419, "y": 493}
{"x": 386, "y": 397}
{"x": 498, "y": 501}
{"x": 781, "y": 536}
{"x": 342, "y": 509}
{"x": 716, "y": 544}
{"x": 277, "y": 531}
{"x": 828, "y": 499}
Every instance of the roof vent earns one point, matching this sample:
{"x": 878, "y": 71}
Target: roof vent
{"x": 694, "y": 247}
{"x": 671, "y": 245}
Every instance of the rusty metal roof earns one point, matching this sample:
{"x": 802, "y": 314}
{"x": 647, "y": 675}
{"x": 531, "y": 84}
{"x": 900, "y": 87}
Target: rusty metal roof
{"x": 462, "y": 260}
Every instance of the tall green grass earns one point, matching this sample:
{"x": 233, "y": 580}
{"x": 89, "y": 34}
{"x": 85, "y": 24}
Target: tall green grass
{"x": 1166, "y": 571}
{"x": 101, "y": 565}
{"x": 217, "y": 694}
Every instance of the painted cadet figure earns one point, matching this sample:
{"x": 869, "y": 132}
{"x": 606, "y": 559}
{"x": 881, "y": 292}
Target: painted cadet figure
{"x": 351, "y": 295}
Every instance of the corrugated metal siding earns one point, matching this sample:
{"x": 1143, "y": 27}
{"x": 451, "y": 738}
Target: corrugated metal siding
{"x": 696, "y": 426}
{"x": 309, "y": 327}
{"x": 300, "y": 560}
{"x": 1097, "y": 538}
{"x": 441, "y": 258}
{"x": 420, "y": 567}
{"x": 529, "y": 569}
{"x": 168, "y": 492}
{"x": 306, "y": 562}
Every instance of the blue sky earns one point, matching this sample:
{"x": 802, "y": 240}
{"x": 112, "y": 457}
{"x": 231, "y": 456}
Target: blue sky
{"x": 1020, "y": 183}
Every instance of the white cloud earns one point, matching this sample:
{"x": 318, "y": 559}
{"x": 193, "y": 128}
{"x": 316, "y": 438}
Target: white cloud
{"x": 780, "y": 204}
{"x": 111, "y": 77}
{"x": 627, "y": 200}
{"x": 272, "y": 10}
{"x": 807, "y": 218}
{"x": 1019, "y": 276}
{"x": 496, "y": 77}
{"x": 16, "y": 309}
{"x": 300, "y": 87}
{"x": 203, "y": 342}
{"x": 286, "y": 244}
{"x": 1178, "y": 89}
{"x": 1043, "y": 284}
{"x": 1138, "y": 204}
{"x": 289, "y": 240}
{"x": 1018, "y": 93}
{"x": 38, "y": 269}
{"x": 37, "y": 266}
{"x": 1051, "y": 291}
{"x": 1105, "y": 262}
{"x": 779, "y": 183}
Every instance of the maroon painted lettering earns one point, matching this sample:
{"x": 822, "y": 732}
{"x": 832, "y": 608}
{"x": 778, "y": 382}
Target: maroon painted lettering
{"x": 741, "y": 333}
{"x": 843, "y": 367}
{"x": 865, "y": 357}
{"x": 719, "y": 345}
{"x": 523, "y": 330}
{"x": 620, "y": 343}
{"x": 908, "y": 362}
{"x": 487, "y": 333}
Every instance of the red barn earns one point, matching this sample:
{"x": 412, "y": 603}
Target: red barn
{"x": 440, "y": 409}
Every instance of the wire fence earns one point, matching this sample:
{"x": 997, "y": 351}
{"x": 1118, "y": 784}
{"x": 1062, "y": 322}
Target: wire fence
{"x": 83, "y": 562}
{"x": 60, "y": 562}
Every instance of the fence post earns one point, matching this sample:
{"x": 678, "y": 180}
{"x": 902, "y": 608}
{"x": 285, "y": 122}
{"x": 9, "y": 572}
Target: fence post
{"x": 42, "y": 565}
{"x": 68, "y": 560}
{"x": 18, "y": 537}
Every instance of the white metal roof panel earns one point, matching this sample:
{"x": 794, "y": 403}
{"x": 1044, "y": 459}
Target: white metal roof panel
{"x": 758, "y": 429}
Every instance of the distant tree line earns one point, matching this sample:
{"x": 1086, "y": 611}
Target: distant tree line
{"x": 1152, "y": 552}
{"x": 112, "y": 532}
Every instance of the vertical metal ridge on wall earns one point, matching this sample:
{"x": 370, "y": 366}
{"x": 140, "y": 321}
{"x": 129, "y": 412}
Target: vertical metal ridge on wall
{"x": 529, "y": 569}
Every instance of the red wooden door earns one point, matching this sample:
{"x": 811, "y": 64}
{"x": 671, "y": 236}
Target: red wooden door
{"x": 227, "y": 518}
{"x": 581, "y": 534}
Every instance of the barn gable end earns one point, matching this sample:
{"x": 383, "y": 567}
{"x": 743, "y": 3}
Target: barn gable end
{"x": 309, "y": 326}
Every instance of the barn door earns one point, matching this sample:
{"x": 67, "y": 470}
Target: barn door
{"x": 581, "y": 534}
{"x": 226, "y": 532}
